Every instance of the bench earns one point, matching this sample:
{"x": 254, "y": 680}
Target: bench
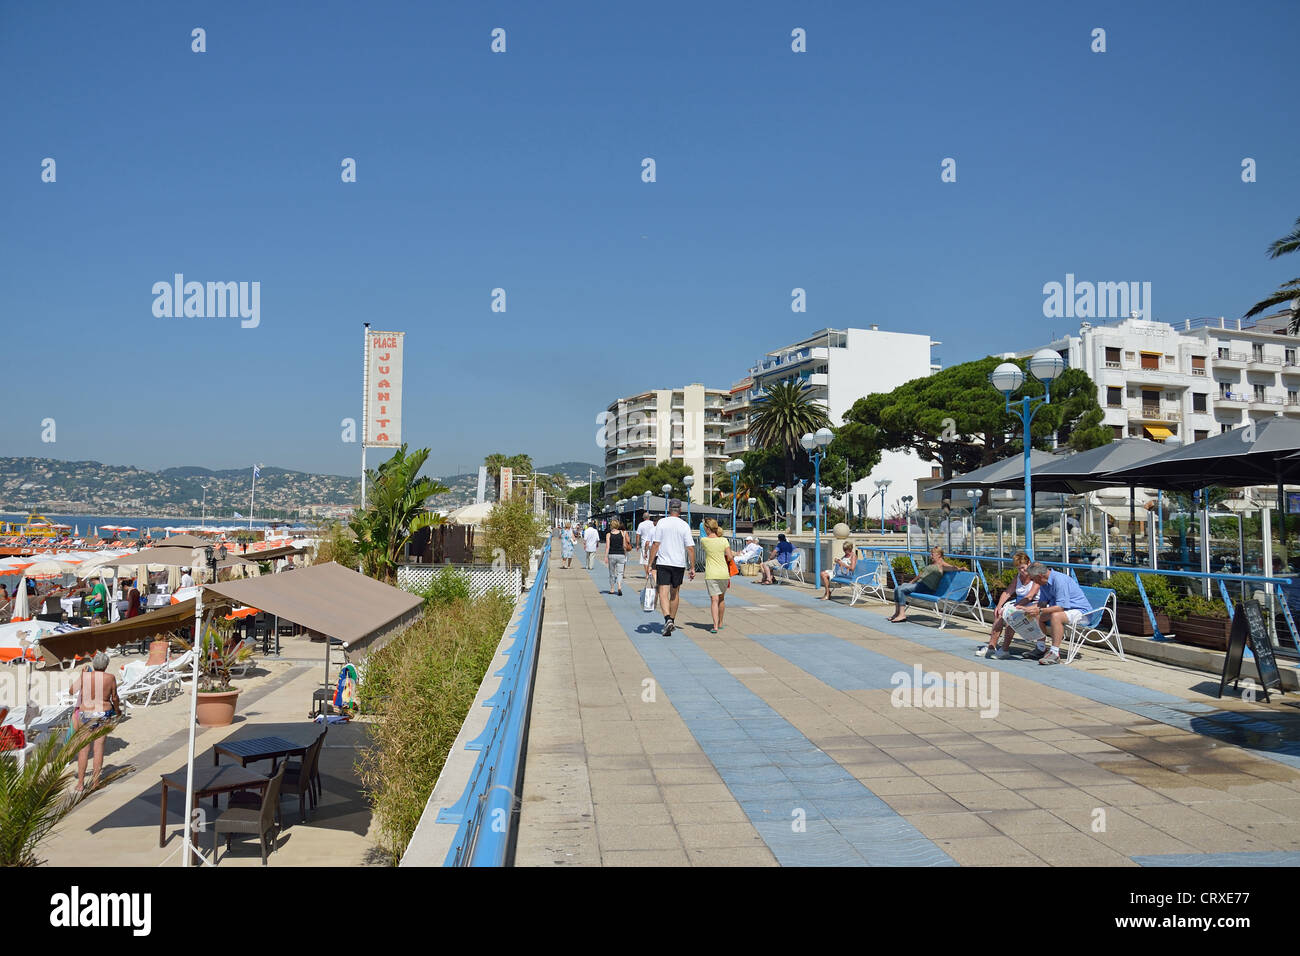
{"x": 867, "y": 577}
{"x": 949, "y": 597}
{"x": 794, "y": 567}
{"x": 1093, "y": 627}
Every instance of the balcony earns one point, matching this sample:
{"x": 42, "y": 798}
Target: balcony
{"x": 1292, "y": 406}
{"x": 1265, "y": 363}
{"x": 1290, "y": 368}
{"x": 1233, "y": 399}
{"x": 1266, "y": 403}
{"x": 1231, "y": 360}
{"x": 736, "y": 404}
{"x": 1154, "y": 413}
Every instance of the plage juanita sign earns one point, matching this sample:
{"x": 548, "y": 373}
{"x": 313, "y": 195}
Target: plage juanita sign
{"x": 383, "y": 411}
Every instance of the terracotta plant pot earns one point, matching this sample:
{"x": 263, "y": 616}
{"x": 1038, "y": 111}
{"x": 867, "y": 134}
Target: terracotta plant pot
{"x": 217, "y": 708}
{"x": 1207, "y": 632}
{"x": 1132, "y": 619}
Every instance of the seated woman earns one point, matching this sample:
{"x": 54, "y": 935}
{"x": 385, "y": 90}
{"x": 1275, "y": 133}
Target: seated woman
{"x": 1022, "y": 593}
{"x": 843, "y": 568}
{"x": 925, "y": 582}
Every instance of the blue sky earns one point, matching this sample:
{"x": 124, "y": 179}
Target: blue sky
{"x": 522, "y": 171}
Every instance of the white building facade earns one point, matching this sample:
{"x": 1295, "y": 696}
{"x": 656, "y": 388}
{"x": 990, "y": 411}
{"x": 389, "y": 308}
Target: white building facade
{"x": 840, "y": 366}
{"x": 634, "y": 435}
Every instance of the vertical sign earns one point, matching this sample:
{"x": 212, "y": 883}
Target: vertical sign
{"x": 482, "y": 485}
{"x": 383, "y": 400}
{"x": 507, "y": 479}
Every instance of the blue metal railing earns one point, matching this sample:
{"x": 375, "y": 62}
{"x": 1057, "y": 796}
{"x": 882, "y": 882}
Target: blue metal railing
{"x": 485, "y": 811}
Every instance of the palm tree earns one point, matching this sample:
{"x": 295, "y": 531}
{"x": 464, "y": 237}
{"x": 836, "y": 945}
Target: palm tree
{"x": 786, "y": 414}
{"x": 35, "y": 799}
{"x": 494, "y": 465}
{"x": 1288, "y": 293}
{"x": 395, "y": 510}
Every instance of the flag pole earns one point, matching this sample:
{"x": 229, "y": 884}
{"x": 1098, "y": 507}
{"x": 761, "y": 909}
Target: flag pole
{"x": 251, "y": 495}
{"x": 365, "y": 429}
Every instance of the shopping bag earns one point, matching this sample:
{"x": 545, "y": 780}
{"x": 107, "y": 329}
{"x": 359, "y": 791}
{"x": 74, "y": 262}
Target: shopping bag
{"x": 731, "y": 567}
{"x": 648, "y": 599}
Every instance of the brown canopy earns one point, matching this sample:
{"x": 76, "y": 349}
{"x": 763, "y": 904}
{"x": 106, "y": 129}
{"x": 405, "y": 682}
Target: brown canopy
{"x": 271, "y": 554}
{"x": 328, "y": 599}
{"x": 183, "y": 541}
{"x": 175, "y": 557}
{"x": 89, "y": 640}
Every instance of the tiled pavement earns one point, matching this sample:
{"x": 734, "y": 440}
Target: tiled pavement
{"x": 778, "y": 741}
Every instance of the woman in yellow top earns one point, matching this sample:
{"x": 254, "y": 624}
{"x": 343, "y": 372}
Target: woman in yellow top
{"x": 717, "y": 573}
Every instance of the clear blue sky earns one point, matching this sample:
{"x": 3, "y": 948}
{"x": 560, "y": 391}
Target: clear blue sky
{"x": 522, "y": 171}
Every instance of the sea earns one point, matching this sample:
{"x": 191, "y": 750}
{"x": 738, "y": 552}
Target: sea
{"x": 85, "y": 523}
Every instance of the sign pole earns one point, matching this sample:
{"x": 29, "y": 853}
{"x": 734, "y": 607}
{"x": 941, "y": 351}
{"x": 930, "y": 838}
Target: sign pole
{"x": 365, "y": 424}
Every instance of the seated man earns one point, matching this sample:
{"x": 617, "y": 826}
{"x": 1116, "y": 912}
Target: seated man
{"x": 1060, "y": 599}
{"x": 752, "y": 552}
{"x": 782, "y": 556}
{"x": 925, "y": 582}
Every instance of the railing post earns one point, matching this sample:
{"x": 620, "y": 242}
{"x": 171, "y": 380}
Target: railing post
{"x": 1151, "y": 615}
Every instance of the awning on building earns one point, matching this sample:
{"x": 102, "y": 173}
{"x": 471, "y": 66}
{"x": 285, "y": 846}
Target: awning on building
{"x": 330, "y": 600}
{"x": 1158, "y": 432}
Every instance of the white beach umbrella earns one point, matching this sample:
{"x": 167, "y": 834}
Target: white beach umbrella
{"x": 21, "y": 610}
{"x": 48, "y": 569}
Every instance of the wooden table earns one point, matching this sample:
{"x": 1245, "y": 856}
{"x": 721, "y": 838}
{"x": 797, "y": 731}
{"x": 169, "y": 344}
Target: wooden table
{"x": 254, "y": 749}
{"x": 209, "y": 782}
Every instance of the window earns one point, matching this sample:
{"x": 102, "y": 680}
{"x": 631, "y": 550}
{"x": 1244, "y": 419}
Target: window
{"x": 1198, "y": 401}
{"x": 1257, "y": 353}
{"x": 1150, "y": 361}
{"x": 1198, "y": 361}
{"x": 1223, "y": 353}
{"x": 1259, "y": 393}
{"x": 1292, "y": 397}
{"x": 1112, "y": 358}
{"x": 1114, "y": 397}
{"x": 1201, "y": 434}
{"x": 1290, "y": 356}
{"x": 1170, "y": 360}
{"x": 1171, "y": 396}
{"x": 1117, "y": 431}
{"x": 1130, "y": 356}
{"x": 935, "y": 473}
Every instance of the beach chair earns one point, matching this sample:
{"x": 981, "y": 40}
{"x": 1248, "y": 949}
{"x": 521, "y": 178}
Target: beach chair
{"x": 949, "y": 598}
{"x": 162, "y": 680}
{"x": 1100, "y": 625}
{"x": 794, "y": 567}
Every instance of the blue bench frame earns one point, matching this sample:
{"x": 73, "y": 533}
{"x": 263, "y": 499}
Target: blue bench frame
{"x": 866, "y": 578}
{"x": 1091, "y": 630}
{"x": 950, "y": 596}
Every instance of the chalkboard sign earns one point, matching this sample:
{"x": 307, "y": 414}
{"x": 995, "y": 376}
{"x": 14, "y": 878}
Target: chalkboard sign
{"x": 1248, "y": 628}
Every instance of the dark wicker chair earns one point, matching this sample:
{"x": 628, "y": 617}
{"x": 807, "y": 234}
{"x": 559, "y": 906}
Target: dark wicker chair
{"x": 261, "y": 821}
{"x": 303, "y": 778}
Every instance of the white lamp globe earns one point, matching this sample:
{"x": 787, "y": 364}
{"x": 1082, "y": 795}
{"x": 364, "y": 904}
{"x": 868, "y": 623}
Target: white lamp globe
{"x": 1008, "y": 377}
{"x": 824, "y": 437}
{"x": 1046, "y": 365}
{"x": 666, "y": 489}
{"x": 735, "y": 466}
{"x": 688, "y": 480}
{"x": 808, "y": 441}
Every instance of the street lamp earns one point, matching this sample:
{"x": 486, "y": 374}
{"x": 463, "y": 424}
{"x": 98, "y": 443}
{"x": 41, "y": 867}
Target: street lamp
{"x": 779, "y": 490}
{"x": 688, "y": 480}
{"x": 907, "y": 520}
{"x": 1046, "y": 366}
{"x": 734, "y": 467}
{"x": 666, "y": 489}
{"x": 815, "y": 445}
{"x": 974, "y": 494}
{"x": 751, "y": 509}
{"x": 882, "y": 486}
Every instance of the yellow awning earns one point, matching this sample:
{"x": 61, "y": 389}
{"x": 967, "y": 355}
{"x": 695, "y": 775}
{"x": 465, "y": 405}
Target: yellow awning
{"x": 1158, "y": 432}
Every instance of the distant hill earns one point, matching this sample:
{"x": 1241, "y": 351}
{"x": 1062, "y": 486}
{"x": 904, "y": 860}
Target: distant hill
{"x": 573, "y": 470}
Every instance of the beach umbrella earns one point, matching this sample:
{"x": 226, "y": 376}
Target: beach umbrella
{"x": 998, "y": 474}
{"x": 21, "y": 610}
{"x": 76, "y": 531}
{"x": 173, "y": 578}
{"x": 48, "y": 569}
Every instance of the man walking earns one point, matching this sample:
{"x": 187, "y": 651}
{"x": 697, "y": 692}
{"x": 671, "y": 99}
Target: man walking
{"x": 671, "y": 555}
{"x": 645, "y": 536}
{"x": 591, "y": 541}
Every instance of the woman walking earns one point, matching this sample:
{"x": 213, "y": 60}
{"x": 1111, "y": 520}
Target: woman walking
{"x": 566, "y": 546}
{"x": 1022, "y": 593}
{"x": 616, "y": 548}
{"x": 717, "y": 570}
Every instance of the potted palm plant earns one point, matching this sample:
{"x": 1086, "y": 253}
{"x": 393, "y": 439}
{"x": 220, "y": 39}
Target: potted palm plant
{"x": 220, "y": 651}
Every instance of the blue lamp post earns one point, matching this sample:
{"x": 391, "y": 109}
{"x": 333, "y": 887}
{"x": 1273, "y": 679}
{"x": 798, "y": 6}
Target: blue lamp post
{"x": 815, "y": 446}
{"x": 1046, "y": 366}
{"x": 734, "y": 467}
{"x": 751, "y": 509}
{"x": 688, "y": 480}
{"x": 882, "y": 486}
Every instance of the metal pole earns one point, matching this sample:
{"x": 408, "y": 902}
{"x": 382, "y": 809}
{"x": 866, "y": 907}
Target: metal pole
{"x": 817, "y": 538}
{"x": 735, "y": 478}
{"x": 197, "y": 647}
{"x": 365, "y": 403}
{"x": 1025, "y": 418}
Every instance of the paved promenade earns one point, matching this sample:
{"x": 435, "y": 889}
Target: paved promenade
{"x": 794, "y": 737}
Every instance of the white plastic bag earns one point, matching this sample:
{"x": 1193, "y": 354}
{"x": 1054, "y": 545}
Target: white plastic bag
{"x": 648, "y": 599}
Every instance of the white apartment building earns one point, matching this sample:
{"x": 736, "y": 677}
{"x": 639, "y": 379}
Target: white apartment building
{"x": 840, "y": 366}
{"x": 1192, "y": 379}
{"x": 634, "y": 436}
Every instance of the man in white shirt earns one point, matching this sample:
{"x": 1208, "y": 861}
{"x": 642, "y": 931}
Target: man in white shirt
{"x": 753, "y": 552}
{"x": 672, "y": 555}
{"x": 187, "y": 581}
{"x": 645, "y": 536}
{"x": 591, "y": 541}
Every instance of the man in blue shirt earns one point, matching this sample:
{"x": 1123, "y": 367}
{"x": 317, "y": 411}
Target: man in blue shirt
{"x": 1060, "y": 599}
{"x": 782, "y": 556}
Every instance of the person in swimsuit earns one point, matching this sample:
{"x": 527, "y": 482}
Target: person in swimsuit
{"x": 98, "y": 704}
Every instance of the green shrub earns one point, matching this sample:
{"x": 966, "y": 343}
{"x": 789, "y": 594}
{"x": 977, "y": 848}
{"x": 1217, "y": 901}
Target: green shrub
{"x": 902, "y": 566}
{"x": 446, "y": 587}
{"x": 1159, "y": 591}
{"x": 422, "y": 684}
{"x": 511, "y": 530}
{"x": 1196, "y": 605}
